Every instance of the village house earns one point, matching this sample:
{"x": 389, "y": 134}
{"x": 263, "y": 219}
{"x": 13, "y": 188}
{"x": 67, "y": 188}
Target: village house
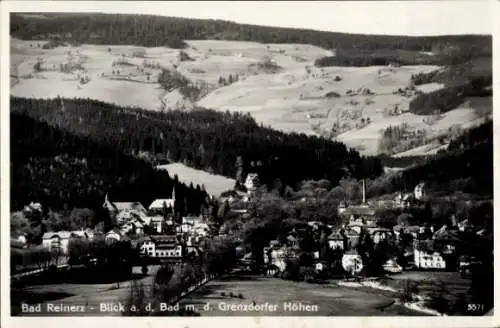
{"x": 379, "y": 234}
{"x": 465, "y": 225}
{"x": 59, "y": 241}
{"x": 426, "y": 257}
{"x": 336, "y": 240}
{"x": 420, "y": 191}
{"x": 129, "y": 210}
{"x": 315, "y": 225}
{"x": 447, "y": 240}
{"x": 192, "y": 223}
{"x": 341, "y": 208}
{"x": 33, "y": 207}
{"x": 292, "y": 241}
{"x": 123, "y": 210}
{"x": 352, "y": 237}
{"x": 158, "y": 223}
{"x": 352, "y": 262}
{"x": 252, "y": 182}
{"x": 159, "y": 206}
{"x": 403, "y": 200}
{"x": 133, "y": 227}
{"x": 167, "y": 247}
{"x": 113, "y": 235}
{"x": 18, "y": 243}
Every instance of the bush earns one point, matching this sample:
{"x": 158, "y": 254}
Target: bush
{"x": 183, "y": 56}
{"x": 332, "y": 94}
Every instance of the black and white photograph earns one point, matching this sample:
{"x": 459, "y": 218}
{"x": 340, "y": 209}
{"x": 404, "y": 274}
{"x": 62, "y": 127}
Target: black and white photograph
{"x": 288, "y": 158}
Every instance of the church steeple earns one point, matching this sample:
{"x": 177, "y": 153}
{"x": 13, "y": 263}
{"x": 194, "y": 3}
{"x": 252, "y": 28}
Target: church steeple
{"x": 107, "y": 204}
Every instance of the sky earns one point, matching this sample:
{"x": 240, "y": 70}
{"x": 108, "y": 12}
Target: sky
{"x": 368, "y": 17}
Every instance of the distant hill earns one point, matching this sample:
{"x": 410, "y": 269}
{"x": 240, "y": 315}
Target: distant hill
{"x": 155, "y": 31}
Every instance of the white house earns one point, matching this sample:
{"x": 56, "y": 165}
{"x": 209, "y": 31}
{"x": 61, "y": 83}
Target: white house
{"x": 352, "y": 262}
{"x": 277, "y": 256}
{"x": 336, "y": 241}
{"x": 252, "y": 182}
{"x": 33, "y": 207}
{"x": 164, "y": 246}
{"x": 379, "y": 234}
{"x": 60, "y": 240}
{"x": 158, "y": 205}
{"x": 424, "y": 260}
{"x": 425, "y": 257}
{"x": 129, "y": 211}
{"x": 113, "y": 235}
{"x": 193, "y": 220}
{"x": 420, "y": 191}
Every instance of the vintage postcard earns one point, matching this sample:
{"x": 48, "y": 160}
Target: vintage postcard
{"x": 289, "y": 161}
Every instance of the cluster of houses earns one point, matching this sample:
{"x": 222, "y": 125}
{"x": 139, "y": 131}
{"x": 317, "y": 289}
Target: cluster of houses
{"x": 428, "y": 249}
{"x": 153, "y": 230}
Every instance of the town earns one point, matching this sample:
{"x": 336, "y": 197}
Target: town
{"x": 169, "y": 166}
{"x": 364, "y": 245}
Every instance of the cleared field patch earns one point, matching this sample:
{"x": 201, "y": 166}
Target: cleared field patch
{"x": 214, "y": 184}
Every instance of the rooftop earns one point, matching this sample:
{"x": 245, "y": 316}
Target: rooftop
{"x": 123, "y": 206}
{"x": 161, "y": 203}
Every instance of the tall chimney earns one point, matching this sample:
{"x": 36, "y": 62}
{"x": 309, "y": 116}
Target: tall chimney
{"x": 364, "y": 192}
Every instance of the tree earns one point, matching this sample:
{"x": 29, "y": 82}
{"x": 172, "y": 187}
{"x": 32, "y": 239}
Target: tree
{"x": 223, "y": 210}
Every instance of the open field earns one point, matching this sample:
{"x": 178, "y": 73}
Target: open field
{"x": 330, "y": 299}
{"x": 91, "y": 295}
{"x": 293, "y": 98}
{"x": 214, "y": 184}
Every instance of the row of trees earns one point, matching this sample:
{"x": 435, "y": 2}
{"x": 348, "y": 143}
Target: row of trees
{"x": 171, "y": 80}
{"x": 154, "y": 31}
{"x": 204, "y": 139}
{"x": 62, "y": 171}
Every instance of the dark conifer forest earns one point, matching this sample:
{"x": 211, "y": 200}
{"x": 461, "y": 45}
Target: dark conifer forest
{"x": 205, "y": 139}
{"x": 63, "y": 170}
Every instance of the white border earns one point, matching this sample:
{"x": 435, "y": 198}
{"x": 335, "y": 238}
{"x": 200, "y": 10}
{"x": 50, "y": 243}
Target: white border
{"x": 241, "y": 322}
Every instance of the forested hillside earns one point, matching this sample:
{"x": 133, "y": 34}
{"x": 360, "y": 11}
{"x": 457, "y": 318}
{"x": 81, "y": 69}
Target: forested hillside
{"x": 479, "y": 47}
{"x": 155, "y": 31}
{"x": 205, "y": 139}
{"x": 467, "y": 165}
{"x": 62, "y": 171}
{"x": 470, "y": 79}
